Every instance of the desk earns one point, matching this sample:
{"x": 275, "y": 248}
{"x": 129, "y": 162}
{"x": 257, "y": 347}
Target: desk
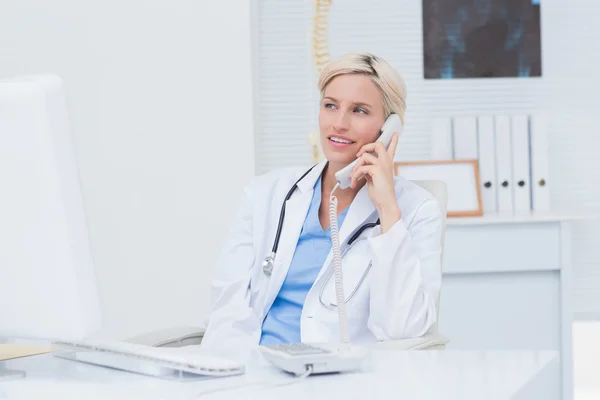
{"x": 390, "y": 374}
{"x": 507, "y": 284}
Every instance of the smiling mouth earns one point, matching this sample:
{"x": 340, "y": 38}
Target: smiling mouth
{"x": 340, "y": 140}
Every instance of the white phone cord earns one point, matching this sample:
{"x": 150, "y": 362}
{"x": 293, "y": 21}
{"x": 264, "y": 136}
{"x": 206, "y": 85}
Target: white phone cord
{"x": 337, "y": 267}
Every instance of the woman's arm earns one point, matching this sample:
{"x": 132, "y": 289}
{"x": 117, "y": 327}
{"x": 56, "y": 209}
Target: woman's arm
{"x": 232, "y": 321}
{"x": 406, "y": 275}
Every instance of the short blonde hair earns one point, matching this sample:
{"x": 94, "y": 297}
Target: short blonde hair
{"x": 389, "y": 81}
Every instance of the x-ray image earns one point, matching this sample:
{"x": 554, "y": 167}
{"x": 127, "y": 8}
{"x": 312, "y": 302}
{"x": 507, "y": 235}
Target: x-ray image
{"x": 481, "y": 38}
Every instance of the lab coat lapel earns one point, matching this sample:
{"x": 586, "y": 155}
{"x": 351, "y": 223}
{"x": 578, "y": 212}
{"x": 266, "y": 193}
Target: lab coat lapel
{"x": 360, "y": 209}
{"x": 296, "y": 209}
{"x": 358, "y": 213}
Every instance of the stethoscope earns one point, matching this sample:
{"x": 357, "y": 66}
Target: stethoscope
{"x": 269, "y": 261}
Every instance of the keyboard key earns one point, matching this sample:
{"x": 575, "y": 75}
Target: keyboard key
{"x": 298, "y": 349}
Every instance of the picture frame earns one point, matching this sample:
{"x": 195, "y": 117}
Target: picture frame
{"x": 460, "y": 176}
{"x": 464, "y": 40}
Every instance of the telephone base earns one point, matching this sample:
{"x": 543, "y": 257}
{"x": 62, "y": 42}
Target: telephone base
{"x": 298, "y": 358}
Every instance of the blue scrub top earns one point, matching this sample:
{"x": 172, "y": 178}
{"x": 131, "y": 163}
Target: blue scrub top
{"x": 282, "y": 322}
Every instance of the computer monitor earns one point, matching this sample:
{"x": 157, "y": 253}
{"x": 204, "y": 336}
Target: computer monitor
{"x": 47, "y": 279}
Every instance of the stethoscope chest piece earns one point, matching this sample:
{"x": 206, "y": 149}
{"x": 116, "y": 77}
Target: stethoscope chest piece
{"x": 267, "y": 265}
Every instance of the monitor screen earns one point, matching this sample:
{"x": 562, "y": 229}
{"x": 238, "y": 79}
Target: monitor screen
{"x": 47, "y": 278}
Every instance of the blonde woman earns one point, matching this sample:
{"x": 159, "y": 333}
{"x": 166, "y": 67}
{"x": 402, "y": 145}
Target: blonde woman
{"x": 392, "y": 265}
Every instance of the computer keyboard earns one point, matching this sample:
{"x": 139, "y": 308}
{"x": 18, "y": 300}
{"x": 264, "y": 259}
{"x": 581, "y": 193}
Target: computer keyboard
{"x": 146, "y": 359}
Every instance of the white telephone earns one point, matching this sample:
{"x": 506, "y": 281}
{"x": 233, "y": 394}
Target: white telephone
{"x": 392, "y": 124}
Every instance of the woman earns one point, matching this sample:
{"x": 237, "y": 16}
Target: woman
{"x": 395, "y": 264}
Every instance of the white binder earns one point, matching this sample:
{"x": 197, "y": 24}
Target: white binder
{"x": 487, "y": 164}
{"x": 539, "y": 164}
{"x": 441, "y": 139}
{"x": 520, "y": 164}
{"x": 465, "y": 138}
{"x": 504, "y": 165}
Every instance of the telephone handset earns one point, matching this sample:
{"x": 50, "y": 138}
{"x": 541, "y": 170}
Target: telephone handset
{"x": 392, "y": 124}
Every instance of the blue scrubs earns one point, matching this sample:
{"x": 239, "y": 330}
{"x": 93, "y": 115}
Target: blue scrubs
{"x": 282, "y": 323}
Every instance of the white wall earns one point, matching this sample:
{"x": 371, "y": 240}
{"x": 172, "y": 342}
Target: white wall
{"x": 161, "y": 103}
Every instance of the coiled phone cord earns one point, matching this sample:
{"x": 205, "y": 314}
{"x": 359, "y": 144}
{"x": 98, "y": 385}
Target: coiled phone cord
{"x": 337, "y": 267}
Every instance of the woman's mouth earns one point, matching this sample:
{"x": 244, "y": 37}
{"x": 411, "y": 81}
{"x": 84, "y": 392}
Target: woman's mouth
{"x": 338, "y": 141}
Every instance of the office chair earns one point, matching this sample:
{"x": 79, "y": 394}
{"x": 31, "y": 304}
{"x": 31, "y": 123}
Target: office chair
{"x": 185, "y": 336}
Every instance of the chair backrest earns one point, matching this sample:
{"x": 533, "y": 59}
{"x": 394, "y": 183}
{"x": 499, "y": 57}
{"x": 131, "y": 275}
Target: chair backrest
{"x": 439, "y": 190}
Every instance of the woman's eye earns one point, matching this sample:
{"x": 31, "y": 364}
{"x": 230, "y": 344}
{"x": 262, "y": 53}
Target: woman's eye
{"x": 329, "y": 105}
{"x": 360, "y": 110}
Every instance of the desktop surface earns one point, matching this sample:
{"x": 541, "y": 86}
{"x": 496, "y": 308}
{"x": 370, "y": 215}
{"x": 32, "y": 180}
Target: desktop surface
{"x": 389, "y": 374}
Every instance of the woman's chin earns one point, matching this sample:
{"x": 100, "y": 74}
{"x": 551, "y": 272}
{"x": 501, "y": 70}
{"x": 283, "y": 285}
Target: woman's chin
{"x": 340, "y": 156}
{"x": 339, "y": 159}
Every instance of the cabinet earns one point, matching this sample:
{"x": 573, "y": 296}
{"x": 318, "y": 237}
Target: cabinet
{"x": 507, "y": 285}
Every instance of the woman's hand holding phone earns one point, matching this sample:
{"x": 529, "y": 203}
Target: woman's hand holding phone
{"x": 379, "y": 173}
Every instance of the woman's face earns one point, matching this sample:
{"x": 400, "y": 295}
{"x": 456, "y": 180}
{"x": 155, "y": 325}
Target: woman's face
{"x": 350, "y": 116}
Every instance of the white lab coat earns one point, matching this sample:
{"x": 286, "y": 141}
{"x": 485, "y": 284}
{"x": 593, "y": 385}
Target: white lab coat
{"x": 396, "y": 300}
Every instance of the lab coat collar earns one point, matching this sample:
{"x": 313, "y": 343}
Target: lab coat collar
{"x": 359, "y": 212}
{"x": 307, "y": 183}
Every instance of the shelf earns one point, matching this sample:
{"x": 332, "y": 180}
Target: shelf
{"x": 525, "y": 218}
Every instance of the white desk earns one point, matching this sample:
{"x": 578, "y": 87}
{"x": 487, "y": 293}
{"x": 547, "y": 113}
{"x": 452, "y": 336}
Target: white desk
{"x": 507, "y": 284}
{"x": 431, "y": 375}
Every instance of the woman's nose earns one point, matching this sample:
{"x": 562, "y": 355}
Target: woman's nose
{"x": 342, "y": 122}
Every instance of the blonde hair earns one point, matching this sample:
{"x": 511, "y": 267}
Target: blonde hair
{"x": 387, "y": 79}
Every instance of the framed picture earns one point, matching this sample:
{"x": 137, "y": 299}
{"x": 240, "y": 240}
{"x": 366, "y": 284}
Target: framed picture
{"x": 481, "y": 39}
{"x": 461, "y": 178}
